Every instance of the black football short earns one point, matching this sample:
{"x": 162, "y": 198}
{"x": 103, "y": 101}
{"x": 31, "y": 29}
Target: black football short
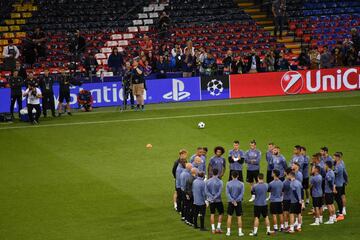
{"x": 260, "y": 211}
{"x": 217, "y": 206}
{"x": 269, "y": 176}
{"x": 251, "y": 176}
{"x": 276, "y": 208}
{"x": 237, "y": 209}
{"x": 286, "y": 205}
{"x": 317, "y": 202}
{"x": 329, "y": 198}
{"x": 305, "y": 183}
{"x": 64, "y": 96}
{"x": 295, "y": 208}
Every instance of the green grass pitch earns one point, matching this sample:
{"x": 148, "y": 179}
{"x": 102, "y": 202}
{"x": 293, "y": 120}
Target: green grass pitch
{"x": 90, "y": 176}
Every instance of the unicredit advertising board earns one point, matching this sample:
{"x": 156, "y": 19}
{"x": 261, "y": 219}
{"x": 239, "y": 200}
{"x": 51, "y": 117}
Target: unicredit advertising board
{"x": 294, "y": 82}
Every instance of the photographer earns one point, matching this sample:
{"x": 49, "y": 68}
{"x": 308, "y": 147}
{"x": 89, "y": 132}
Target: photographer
{"x": 127, "y": 88}
{"x": 138, "y": 85}
{"x": 16, "y": 82}
{"x": 33, "y": 95}
{"x": 46, "y": 85}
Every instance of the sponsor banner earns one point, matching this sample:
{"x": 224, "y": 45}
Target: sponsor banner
{"x": 216, "y": 87}
{"x": 111, "y": 93}
{"x": 294, "y": 82}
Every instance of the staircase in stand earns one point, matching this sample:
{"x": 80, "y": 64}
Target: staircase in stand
{"x": 267, "y": 22}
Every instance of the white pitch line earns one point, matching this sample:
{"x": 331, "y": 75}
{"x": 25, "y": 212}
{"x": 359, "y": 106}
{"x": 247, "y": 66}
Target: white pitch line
{"x": 183, "y": 116}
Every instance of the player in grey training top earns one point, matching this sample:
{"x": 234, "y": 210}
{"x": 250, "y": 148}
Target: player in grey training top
{"x": 276, "y": 192}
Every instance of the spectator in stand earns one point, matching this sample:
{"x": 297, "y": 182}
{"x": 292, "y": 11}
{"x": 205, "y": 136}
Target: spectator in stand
{"x": 176, "y": 54}
{"x": 279, "y": 11}
{"x": 187, "y": 63}
{"x": 28, "y": 50}
{"x": 146, "y": 45}
{"x": 10, "y": 53}
{"x": 147, "y": 69}
{"x": 209, "y": 65}
{"x": 90, "y": 64}
{"x": 228, "y": 62}
{"x": 21, "y": 70}
{"x": 39, "y": 40}
{"x": 176, "y": 51}
{"x": 239, "y": 66}
{"x": 78, "y": 47}
{"x": 253, "y": 62}
{"x": 270, "y": 62}
{"x": 116, "y": 62}
{"x": 162, "y": 67}
{"x": 314, "y": 58}
{"x": 304, "y": 59}
{"x": 338, "y": 57}
{"x": 189, "y": 45}
{"x": 283, "y": 63}
{"x": 326, "y": 58}
{"x": 200, "y": 60}
{"x": 164, "y": 23}
{"x": 351, "y": 56}
{"x": 164, "y": 50}
{"x": 355, "y": 38}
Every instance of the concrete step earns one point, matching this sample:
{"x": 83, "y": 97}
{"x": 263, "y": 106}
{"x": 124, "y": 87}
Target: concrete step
{"x": 259, "y": 16}
{"x": 252, "y": 10}
{"x": 246, "y": 4}
{"x": 294, "y": 45}
{"x": 286, "y": 39}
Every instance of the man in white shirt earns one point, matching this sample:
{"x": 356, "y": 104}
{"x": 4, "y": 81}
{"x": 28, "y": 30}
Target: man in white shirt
{"x": 10, "y": 54}
{"x": 33, "y": 95}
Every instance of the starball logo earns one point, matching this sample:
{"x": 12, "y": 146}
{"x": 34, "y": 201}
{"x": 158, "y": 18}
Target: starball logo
{"x": 294, "y": 82}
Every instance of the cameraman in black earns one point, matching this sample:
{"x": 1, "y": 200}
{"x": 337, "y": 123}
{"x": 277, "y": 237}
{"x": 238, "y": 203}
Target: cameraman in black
{"x": 16, "y": 82}
{"x": 46, "y": 85}
{"x": 33, "y": 95}
{"x": 64, "y": 92}
{"x": 126, "y": 82}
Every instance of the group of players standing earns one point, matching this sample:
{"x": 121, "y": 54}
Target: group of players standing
{"x": 289, "y": 187}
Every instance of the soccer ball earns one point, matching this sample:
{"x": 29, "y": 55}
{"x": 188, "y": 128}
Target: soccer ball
{"x": 215, "y": 87}
{"x": 201, "y": 125}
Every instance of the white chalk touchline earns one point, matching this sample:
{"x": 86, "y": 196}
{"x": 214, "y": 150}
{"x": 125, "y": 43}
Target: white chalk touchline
{"x": 183, "y": 116}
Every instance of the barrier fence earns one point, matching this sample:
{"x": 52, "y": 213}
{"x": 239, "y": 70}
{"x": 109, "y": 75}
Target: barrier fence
{"x": 217, "y": 87}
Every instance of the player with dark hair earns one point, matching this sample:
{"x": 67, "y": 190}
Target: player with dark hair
{"x": 286, "y": 197}
{"x": 236, "y": 161}
{"x": 270, "y": 163}
{"x": 297, "y": 158}
{"x": 218, "y": 162}
{"x": 184, "y": 177}
{"x": 234, "y": 192}
{"x": 317, "y": 195}
{"x": 329, "y": 192}
{"x": 295, "y": 205}
{"x": 276, "y": 194}
{"x": 339, "y": 171}
{"x": 260, "y": 207}
{"x": 325, "y": 157}
{"x": 346, "y": 179}
{"x": 279, "y": 162}
{"x": 178, "y": 166}
{"x": 252, "y": 159}
{"x": 213, "y": 190}
{"x": 305, "y": 172}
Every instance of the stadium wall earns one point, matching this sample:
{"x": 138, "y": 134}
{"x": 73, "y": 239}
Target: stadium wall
{"x": 218, "y": 87}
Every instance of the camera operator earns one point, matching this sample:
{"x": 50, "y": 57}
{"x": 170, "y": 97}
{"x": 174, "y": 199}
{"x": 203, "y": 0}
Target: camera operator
{"x": 46, "y": 85}
{"x": 16, "y": 82}
{"x": 64, "y": 92}
{"x": 33, "y": 95}
{"x": 138, "y": 84}
{"x": 31, "y": 80}
{"x": 127, "y": 86}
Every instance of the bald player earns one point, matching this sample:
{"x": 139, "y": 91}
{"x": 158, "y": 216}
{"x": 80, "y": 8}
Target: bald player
{"x": 189, "y": 197}
{"x": 199, "y": 164}
{"x": 184, "y": 177}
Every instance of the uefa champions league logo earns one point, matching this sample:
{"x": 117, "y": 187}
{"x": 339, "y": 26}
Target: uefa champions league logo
{"x": 215, "y": 87}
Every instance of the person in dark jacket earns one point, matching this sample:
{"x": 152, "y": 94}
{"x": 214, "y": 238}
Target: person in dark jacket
{"x": 162, "y": 67}
{"x": 16, "y": 82}
{"x": 253, "y": 62}
{"x": 22, "y": 72}
{"x": 189, "y": 219}
{"x": 187, "y": 64}
{"x": 116, "y": 62}
{"x": 46, "y": 86}
{"x": 127, "y": 88}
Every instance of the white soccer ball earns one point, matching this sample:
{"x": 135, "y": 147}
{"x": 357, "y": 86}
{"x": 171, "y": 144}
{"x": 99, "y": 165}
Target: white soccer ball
{"x": 201, "y": 125}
